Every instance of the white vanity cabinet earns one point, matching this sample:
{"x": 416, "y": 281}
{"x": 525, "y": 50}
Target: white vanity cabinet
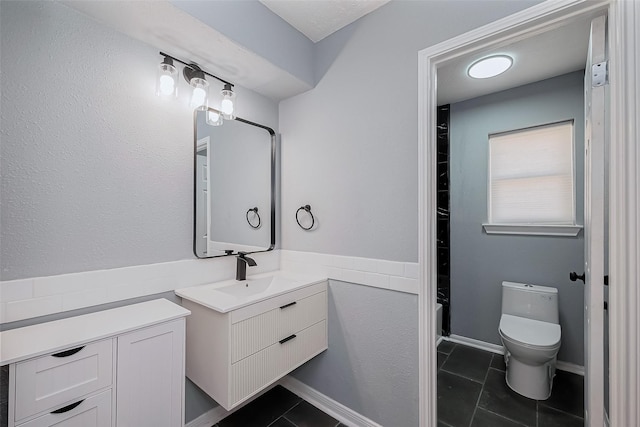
{"x": 122, "y": 367}
{"x": 234, "y": 355}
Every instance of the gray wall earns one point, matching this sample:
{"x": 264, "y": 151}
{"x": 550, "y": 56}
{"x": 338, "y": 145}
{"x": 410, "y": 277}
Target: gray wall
{"x": 480, "y": 262}
{"x": 97, "y": 172}
{"x": 371, "y": 365}
{"x": 254, "y": 26}
{"x": 349, "y": 146}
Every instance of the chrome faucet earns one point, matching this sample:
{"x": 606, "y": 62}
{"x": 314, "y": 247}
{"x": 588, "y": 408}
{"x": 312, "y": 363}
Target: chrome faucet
{"x": 241, "y": 265}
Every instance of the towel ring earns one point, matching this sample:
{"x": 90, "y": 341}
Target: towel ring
{"x": 255, "y": 211}
{"x": 307, "y": 209}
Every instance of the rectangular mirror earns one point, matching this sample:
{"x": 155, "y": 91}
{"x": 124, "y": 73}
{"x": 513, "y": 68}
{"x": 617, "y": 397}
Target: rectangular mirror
{"x": 234, "y": 197}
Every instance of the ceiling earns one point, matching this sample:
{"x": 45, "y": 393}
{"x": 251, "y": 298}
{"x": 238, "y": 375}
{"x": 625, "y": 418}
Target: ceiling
{"x": 541, "y": 57}
{"x": 162, "y": 25}
{"x": 317, "y": 19}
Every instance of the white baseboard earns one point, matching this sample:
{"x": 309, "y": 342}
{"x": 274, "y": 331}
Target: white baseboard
{"x": 570, "y": 367}
{"x": 337, "y": 410}
{"x": 209, "y": 418}
{"x": 482, "y": 345}
{"x": 494, "y": 348}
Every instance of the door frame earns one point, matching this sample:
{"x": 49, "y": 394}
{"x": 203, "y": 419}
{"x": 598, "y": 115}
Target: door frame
{"x": 624, "y": 201}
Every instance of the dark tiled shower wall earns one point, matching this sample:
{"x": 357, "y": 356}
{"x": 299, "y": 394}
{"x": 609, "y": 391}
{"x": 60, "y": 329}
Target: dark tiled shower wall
{"x": 442, "y": 227}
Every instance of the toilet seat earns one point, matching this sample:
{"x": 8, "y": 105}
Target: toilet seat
{"x": 530, "y": 333}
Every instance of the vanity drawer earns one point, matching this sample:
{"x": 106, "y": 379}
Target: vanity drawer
{"x": 252, "y": 335}
{"x": 253, "y": 373}
{"x": 94, "y": 411}
{"x": 65, "y": 376}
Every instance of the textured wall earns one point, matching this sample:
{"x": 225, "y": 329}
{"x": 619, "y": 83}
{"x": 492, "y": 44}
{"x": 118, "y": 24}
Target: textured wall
{"x": 371, "y": 365}
{"x": 349, "y": 146}
{"x": 97, "y": 172}
{"x": 480, "y": 262}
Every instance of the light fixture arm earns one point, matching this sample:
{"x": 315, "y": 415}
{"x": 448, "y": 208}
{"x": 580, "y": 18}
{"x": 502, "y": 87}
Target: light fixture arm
{"x": 193, "y": 70}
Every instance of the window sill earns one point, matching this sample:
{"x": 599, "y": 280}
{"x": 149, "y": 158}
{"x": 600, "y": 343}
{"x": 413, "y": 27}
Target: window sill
{"x": 533, "y": 230}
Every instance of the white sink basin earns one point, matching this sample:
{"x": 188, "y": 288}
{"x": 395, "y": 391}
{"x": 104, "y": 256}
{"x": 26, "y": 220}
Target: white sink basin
{"x": 232, "y": 294}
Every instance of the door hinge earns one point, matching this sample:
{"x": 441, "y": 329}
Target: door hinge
{"x": 599, "y": 74}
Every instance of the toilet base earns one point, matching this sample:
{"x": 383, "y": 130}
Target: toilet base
{"x": 534, "y": 382}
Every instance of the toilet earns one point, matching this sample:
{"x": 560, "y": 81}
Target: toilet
{"x": 530, "y": 333}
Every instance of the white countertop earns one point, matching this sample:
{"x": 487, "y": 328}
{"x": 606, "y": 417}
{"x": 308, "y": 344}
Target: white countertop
{"x": 31, "y": 341}
{"x": 232, "y": 294}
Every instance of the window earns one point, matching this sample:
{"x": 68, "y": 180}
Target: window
{"x": 532, "y": 181}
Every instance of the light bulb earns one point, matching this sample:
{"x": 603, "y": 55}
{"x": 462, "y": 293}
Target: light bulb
{"x": 167, "y": 85}
{"x": 227, "y": 105}
{"x": 199, "y": 95}
{"x": 214, "y": 118}
{"x": 167, "y": 75}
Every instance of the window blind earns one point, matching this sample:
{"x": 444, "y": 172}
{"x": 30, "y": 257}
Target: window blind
{"x": 531, "y": 176}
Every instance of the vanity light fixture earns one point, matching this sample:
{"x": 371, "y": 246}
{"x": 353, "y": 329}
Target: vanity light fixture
{"x": 167, "y": 78}
{"x": 196, "y": 77}
{"x": 490, "y": 66}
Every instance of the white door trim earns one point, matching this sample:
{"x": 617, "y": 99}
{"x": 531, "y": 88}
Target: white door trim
{"x": 624, "y": 220}
{"x": 624, "y": 203}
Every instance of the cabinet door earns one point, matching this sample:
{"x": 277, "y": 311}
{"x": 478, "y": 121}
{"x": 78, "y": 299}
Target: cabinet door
{"x": 150, "y": 378}
{"x": 94, "y": 411}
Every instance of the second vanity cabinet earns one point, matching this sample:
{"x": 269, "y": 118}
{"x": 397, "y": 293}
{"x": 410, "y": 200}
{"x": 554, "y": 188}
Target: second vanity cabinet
{"x": 234, "y": 355}
{"x": 122, "y": 367}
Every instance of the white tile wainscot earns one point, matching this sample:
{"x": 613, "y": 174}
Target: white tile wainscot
{"x": 32, "y": 297}
{"x": 378, "y": 273}
{"x": 26, "y": 298}
{"x": 86, "y": 370}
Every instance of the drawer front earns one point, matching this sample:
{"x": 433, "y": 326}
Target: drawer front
{"x": 94, "y": 411}
{"x": 261, "y": 369}
{"x": 259, "y": 332}
{"x": 52, "y": 380}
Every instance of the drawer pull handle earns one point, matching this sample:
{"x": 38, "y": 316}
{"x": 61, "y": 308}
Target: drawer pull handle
{"x": 68, "y": 353}
{"x": 288, "y": 305}
{"x": 289, "y": 338}
{"x": 67, "y": 408}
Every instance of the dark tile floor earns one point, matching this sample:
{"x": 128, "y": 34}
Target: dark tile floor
{"x": 279, "y": 408}
{"x": 472, "y": 392}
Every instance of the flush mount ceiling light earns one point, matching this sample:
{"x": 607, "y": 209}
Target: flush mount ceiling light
{"x": 196, "y": 77}
{"x": 490, "y": 66}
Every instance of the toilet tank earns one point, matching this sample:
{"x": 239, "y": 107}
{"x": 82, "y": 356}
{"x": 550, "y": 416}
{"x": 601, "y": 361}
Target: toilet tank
{"x": 530, "y": 301}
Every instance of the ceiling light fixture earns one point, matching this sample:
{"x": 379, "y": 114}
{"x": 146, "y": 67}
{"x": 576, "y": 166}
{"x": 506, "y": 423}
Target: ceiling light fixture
{"x": 490, "y": 66}
{"x": 196, "y": 77}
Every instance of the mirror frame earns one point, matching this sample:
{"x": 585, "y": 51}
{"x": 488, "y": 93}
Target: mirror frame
{"x": 272, "y": 135}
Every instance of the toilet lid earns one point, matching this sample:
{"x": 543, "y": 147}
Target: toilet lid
{"x": 530, "y": 332}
